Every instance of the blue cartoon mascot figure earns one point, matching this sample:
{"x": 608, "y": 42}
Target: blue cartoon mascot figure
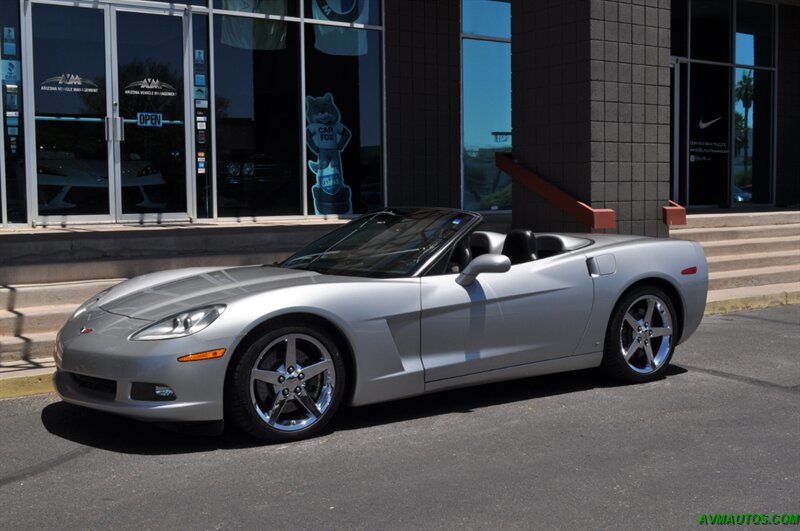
{"x": 327, "y": 137}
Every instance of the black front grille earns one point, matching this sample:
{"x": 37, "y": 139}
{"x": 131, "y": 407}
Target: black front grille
{"x": 98, "y": 387}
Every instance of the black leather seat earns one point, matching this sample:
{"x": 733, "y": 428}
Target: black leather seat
{"x": 483, "y": 242}
{"x": 520, "y": 246}
{"x": 460, "y": 258}
{"x": 548, "y": 245}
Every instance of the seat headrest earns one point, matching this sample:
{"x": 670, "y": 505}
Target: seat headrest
{"x": 520, "y": 246}
{"x": 483, "y": 242}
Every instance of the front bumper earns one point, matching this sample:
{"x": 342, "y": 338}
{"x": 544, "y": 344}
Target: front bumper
{"x": 97, "y": 370}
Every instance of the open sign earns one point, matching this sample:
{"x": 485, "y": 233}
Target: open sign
{"x": 148, "y": 119}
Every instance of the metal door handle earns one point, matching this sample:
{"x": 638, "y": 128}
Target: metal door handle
{"x": 120, "y": 136}
{"x": 108, "y": 132}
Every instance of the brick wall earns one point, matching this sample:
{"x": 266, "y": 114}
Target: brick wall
{"x": 423, "y": 102}
{"x": 591, "y": 108}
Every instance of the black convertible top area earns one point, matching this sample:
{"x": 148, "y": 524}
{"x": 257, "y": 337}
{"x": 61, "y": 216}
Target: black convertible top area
{"x": 386, "y": 243}
{"x": 406, "y": 242}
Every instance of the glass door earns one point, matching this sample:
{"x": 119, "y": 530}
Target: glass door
{"x": 149, "y": 105}
{"x": 110, "y": 106}
{"x": 71, "y": 104}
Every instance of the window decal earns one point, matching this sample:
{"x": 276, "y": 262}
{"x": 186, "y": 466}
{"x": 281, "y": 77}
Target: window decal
{"x": 327, "y": 137}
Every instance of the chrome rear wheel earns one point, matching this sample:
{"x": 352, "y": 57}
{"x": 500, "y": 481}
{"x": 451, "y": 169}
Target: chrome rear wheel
{"x": 641, "y": 335}
{"x": 646, "y": 334}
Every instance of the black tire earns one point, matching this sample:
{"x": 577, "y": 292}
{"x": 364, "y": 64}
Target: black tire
{"x": 249, "y": 403}
{"x": 623, "y": 338}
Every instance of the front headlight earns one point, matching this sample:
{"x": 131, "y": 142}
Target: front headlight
{"x": 180, "y": 325}
{"x": 88, "y": 304}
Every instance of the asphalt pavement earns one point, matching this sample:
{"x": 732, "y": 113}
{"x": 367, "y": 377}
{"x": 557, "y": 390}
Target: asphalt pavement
{"x": 719, "y": 434}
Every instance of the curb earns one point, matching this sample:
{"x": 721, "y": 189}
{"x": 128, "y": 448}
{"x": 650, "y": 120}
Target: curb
{"x": 34, "y": 384}
{"x": 754, "y": 302}
{"x": 42, "y": 381}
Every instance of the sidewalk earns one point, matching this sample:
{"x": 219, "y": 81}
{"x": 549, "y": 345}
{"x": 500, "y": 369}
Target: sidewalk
{"x": 32, "y": 377}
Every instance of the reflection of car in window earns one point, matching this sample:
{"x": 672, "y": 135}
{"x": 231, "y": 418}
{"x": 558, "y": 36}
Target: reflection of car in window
{"x": 241, "y": 169}
{"x": 741, "y": 196}
{"x": 60, "y": 172}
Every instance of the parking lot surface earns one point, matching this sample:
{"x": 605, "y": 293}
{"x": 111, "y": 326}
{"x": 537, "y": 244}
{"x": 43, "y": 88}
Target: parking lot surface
{"x": 719, "y": 434}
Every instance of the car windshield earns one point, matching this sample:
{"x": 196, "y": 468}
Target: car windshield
{"x": 383, "y": 244}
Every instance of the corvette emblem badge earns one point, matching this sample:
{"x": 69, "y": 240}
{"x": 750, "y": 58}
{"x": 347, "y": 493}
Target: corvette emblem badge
{"x": 85, "y": 330}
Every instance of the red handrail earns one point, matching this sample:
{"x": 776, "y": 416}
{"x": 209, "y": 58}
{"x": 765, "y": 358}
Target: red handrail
{"x": 674, "y": 214}
{"x": 595, "y": 218}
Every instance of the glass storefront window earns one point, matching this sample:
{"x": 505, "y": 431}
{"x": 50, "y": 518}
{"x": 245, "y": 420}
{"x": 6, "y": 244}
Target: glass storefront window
{"x": 711, "y": 30}
{"x": 343, "y": 120}
{"x": 257, "y": 90}
{"x": 126, "y": 128}
{"x": 490, "y": 18}
{"x": 189, "y": 2}
{"x": 487, "y": 123}
{"x": 261, "y": 7}
{"x": 730, "y": 138}
{"x": 347, "y": 11}
{"x": 12, "y": 121}
{"x": 754, "y": 23}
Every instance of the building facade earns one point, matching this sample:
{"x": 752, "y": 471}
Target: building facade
{"x": 137, "y": 111}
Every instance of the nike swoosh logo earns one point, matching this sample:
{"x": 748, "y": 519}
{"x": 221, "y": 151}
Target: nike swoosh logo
{"x": 703, "y": 124}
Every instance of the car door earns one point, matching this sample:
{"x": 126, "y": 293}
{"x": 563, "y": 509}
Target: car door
{"x": 535, "y": 311}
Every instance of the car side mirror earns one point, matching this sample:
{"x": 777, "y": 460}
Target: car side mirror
{"x": 485, "y": 263}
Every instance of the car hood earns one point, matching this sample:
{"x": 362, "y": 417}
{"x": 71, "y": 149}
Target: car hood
{"x": 154, "y": 297}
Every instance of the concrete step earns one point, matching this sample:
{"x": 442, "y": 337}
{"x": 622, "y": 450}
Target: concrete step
{"x": 738, "y": 233}
{"x": 755, "y": 245}
{"x": 38, "y": 345}
{"x": 24, "y": 321}
{"x": 744, "y": 219}
{"x": 753, "y": 277}
{"x": 16, "y": 297}
{"x": 753, "y": 260}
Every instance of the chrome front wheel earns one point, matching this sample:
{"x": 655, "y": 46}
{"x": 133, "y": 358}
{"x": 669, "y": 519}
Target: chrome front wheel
{"x": 287, "y": 385}
{"x": 292, "y": 382}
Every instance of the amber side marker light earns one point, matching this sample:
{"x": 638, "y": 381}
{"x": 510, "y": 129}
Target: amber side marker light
{"x": 207, "y": 355}
{"x": 689, "y": 271}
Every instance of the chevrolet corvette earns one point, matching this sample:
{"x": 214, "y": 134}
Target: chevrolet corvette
{"x": 397, "y": 303}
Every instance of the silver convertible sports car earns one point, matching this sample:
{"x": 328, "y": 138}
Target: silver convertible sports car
{"x": 399, "y": 302}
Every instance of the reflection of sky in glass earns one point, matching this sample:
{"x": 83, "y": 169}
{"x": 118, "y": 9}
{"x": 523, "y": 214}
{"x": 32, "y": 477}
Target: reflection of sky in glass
{"x": 487, "y": 17}
{"x": 487, "y": 92}
{"x": 740, "y": 72}
{"x": 744, "y": 49}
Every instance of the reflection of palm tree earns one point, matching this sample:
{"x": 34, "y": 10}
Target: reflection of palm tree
{"x": 741, "y": 132}
{"x": 744, "y": 93}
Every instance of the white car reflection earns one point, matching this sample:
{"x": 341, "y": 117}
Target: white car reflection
{"x": 73, "y": 173}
